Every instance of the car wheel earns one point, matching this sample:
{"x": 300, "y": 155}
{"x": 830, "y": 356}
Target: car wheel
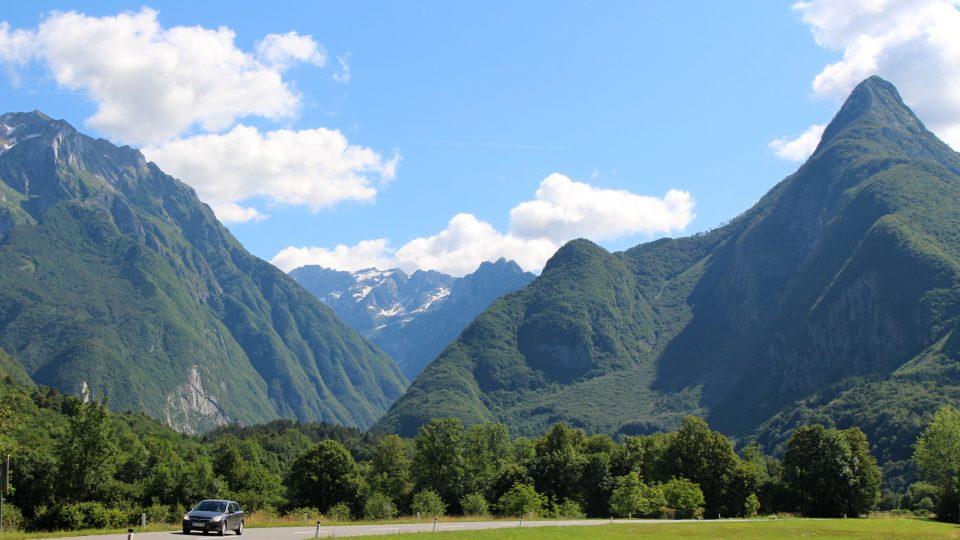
{"x": 239, "y": 530}
{"x": 223, "y": 528}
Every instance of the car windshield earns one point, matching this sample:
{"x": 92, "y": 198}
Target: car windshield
{"x": 211, "y": 506}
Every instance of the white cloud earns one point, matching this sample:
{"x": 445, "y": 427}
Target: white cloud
{"x": 152, "y": 83}
{"x": 313, "y": 167}
{"x": 563, "y": 210}
{"x": 229, "y": 212}
{"x": 800, "y": 148}
{"x": 283, "y": 50}
{"x": 366, "y": 254}
{"x": 16, "y": 45}
{"x": 466, "y": 242}
{"x": 343, "y": 76}
{"x": 912, "y": 43}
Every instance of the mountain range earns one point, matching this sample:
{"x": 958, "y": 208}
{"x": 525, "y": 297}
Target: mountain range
{"x": 411, "y": 317}
{"x": 114, "y": 274}
{"x": 834, "y": 299}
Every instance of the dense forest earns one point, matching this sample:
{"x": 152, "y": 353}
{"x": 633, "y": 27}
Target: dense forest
{"x": 77, "y": 465}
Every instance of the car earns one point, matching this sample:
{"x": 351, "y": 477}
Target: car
{"x": 214, "y": 515}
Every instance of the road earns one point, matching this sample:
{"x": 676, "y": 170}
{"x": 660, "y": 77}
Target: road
{"x": 305, "y": 533}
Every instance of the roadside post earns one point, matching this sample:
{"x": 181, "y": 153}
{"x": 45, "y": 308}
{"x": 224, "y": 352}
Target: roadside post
{"x": 316, "y": 533}
{"x": 129, "y": 534}
{"x": 143, "y": 519}
{"x": 434, "y": 524}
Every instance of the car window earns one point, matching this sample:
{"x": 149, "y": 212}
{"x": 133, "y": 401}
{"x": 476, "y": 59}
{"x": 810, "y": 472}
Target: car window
{"x": 234, "y": 507}
{"x": 211, "y": 506}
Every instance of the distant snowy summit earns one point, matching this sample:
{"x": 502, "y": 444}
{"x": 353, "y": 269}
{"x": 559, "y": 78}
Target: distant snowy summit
{"x": 411, "y": 317}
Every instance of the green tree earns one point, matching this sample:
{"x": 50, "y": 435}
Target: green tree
{"x": 557, "y": 470}
{"x": 706, "y": 458}
{"x": 8, "y": 422}
{"x": 863, "y": 493}
{"x": 87, "y": 453}
{"x": 520, "y": 500}
{"x": 828, "y": 472}
{"x": 486, "y": 449}
{"x": 684, "y": 496}
{"x": 937, "y": 454}
{"x": 626, "y": 499}
{"x": 324, "y": 476}
{"x": 390, "y": 470}
{"x": 438, "y": 462}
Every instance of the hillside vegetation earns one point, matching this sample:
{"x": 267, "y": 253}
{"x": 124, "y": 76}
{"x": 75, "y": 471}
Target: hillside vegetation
{"x": 114, "y": 274}
{"x": 833, "y": 300}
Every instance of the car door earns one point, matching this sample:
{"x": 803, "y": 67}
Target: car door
{"x": 233, "y": 517}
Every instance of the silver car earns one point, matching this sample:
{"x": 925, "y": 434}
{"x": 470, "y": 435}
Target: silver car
{"x": 214, "y": 515}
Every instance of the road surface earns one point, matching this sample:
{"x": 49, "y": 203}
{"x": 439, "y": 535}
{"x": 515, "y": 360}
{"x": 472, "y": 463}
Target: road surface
{"x": 340, "y": 531}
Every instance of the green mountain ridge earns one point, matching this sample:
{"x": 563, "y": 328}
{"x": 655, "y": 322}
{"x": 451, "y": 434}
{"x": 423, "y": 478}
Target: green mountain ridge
{"x": 834, "y": 298}
{"x": 115, "y": 274}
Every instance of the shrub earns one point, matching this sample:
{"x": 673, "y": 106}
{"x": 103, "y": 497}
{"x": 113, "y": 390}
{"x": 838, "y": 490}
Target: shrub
{"x": 428, "y": 503}
{"x": 378, "y": 506}
{"x": 684, "y": 496}
{"x": 12, "y": 518}
{"x": 159, "y": 513}
{"x": 751, "y": 506}
{"x": 177, "y": 512}
{"x": 570, "y": 509}
{"x": 474, "y": 504}
{"x": 339, "y": 512}
{"x": 97, "y": 516}
{"x": 300, "y": 511}
{"x": 521, "y": 499}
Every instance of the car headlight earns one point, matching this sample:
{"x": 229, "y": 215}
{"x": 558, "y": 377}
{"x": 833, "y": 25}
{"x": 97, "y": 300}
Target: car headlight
{"x": 186, "y": 517}
{"x": 216, "y": 518}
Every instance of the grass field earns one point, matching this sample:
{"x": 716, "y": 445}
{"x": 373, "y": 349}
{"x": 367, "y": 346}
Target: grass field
{"x": 882, "y": 529}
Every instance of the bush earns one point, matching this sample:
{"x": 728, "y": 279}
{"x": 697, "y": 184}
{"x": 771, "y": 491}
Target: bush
{"x": 378, "y": 506}
{"x": 751, "y": 506}
{"x": 521, "y": 499}
{"x": 177, "y": 512}
{"x": 12, "y": 518}
{"x": 300, "y": 511}
{"x": 570, "y": 509}
{"x": 85, "y": 515}
{"x": 339, "y": 512}
{"x": 159, "y": 513}
{"x": 474, "y": 504}
{"x": 684, "y": 496}
{"x": 428, "y": 503}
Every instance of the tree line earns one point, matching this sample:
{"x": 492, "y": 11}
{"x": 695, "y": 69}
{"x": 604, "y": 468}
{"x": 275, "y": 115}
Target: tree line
{"x": 77, "y": 465}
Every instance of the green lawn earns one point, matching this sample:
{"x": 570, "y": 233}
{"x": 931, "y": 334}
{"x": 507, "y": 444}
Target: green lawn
{"x": 774, "y": 529}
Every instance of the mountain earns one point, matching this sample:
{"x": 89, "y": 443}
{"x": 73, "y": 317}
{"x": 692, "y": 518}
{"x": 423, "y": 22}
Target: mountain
{"x": 834, "y": 299}
{"x": 412, "y": 317}
{"x": 114, "y": 274}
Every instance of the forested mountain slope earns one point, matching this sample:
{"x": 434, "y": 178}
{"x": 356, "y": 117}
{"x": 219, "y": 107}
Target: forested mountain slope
{"x": 834, "y": 299}
{"x": 115, "y": 274}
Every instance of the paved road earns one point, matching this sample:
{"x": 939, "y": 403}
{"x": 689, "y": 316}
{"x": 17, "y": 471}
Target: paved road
{"x": 305, "y": 533}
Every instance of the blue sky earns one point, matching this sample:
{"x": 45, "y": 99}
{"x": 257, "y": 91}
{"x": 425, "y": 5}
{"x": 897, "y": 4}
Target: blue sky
{"x": 440, "y": 134}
